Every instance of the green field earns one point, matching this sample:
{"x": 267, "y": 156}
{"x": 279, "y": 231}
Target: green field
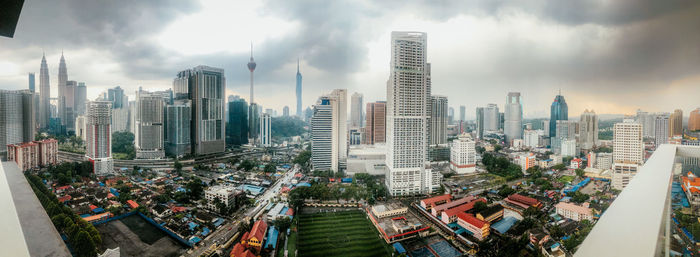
{"x": 566, "y": 179}
{"x": 347, "y": 233}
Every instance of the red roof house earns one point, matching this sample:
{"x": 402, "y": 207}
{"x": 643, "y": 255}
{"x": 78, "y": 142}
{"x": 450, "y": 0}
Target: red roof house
{"x": 132, "y": 204}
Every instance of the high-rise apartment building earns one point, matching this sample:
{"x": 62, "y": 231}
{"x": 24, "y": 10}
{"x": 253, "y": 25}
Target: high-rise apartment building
{"x": 531, "y": 138}
{"x": 648, "y": 121}
{"x": 694, "y": 120}
{"x": 123, "y": 119}
{"x": 99, "y": 137}
{"x": 299, "y": 114}
{"x": 80, "y": 98}
{"x": 558, "y": 111}
{"x": 178, "y": 120}
{"x": 265, "y": 130}
{"x": 17, "y": 120}
{"x": 463, "y": 155}
{"x": 329, "y": 140}
{"x": 375, "y": 125}
{"x": 253, "y": 122}
{"x": 206, "y": 87}
{"x": 148, "y": 137}
{"x": 45, "y": 91}
{"x": 81, "y": 127}
{"x": 408, "y": 97}
{"x": 513, "y": 124}
{"x": 564, "y": 130}
{"x": 69, "y": 105}
{"x": 661, "y": 128}
{"x": 588, "y": 130}
{"x": 492, "y": 118}
{"x": 568, "y": 147}
{"x": 676, "y": 123}
{"x": 356, "y": 110}
{"x": 438, "y": 120}
{"x": 237, "y": 123}
{"x": 628, "y": 152}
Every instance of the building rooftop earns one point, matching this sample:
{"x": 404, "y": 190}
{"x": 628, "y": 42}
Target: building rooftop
{"x": 22, "y": 217}
{"x": 434, "y": 199}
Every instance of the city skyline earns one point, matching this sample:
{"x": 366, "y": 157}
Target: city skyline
{"x": 360, "y": 66}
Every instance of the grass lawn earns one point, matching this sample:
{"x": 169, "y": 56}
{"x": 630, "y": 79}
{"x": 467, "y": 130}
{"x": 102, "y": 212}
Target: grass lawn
{"x": 346, "y": 233}
{"x": 566, "y": 179}
{"x": 292, "y": 244}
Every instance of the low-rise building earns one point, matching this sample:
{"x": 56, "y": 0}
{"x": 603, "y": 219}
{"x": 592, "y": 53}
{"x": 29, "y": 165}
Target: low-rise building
{"x": 526, "y": 160}
{"x": 491, "y": 214}
{"x": 520, "y": 203}
{"x": 574, "y": 212}
{"x": 387, "y": 210}
{"x": 478, "y": 228}
{"x": 576, "y": 163}
{"x": 225, "y": 194}
{"x": 437, "y": 210}
{"x": 431, "y": 202}
{"x": 450, "y": 216}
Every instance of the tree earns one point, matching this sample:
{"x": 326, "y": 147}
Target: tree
{"x": 84, "y": 245}
{"x": 579, "y": 197}
{"x": 247, "y": 165}
{"x": 282, "y": 223}
{"x": 178, "y": 167}
{"x": 270, "y": 167}
{"x": 195, "y": 189}
{"x": 123, "y": 142}
{"x": 530, "y": 212}
{"x": 580, "y": 173}
{"x": 287, "y": 127}
{"x": 480, "y": 206}
{"x": 559, "y": 167}
{"x": 303, "y": 158}
{"x": 505, "y": 191}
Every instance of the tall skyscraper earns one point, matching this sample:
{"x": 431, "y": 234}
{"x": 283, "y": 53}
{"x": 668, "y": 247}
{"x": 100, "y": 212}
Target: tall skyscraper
{"x": 253, "y": 122}
{"x": 251, "y": 68}
{"x": 148, "y": 137}
{"x": 17, "y": 121}
{"x": 45, "y": 91}
{"x": 513, "y": 124}
{"x": 69, "y": 104}
{"x": 438, "y": 120}
{"x": 492, "y": 118}
{"x": 237, "y": 122}
{"x": 450, "y": 115}
{"x": 206, "y": 87}
{"x": 628, "y": 152}
{"x": 648, "y": 123}
{"x": 462, "y": 113}
{"x": 558, "y": 111}
{"x": 480, "y": 122}
{"x": 116, "y": 96}
{"x": 375, "y": 124}
{"x": 661, "y": 128}
{"x": 285, "y": 111}
{"x": 178, "y": 128}
{"x": 694, "y": 120}
{"x": 62, "y": 91}
{"x": 588, "y": 130}
{"x": 356, "y": 111}
{"x": 329, "y": 132}
{"x": 80, "y": 98}
{"x": 32, "y": 87}
{"x": 676, "y": 123}
{"x": 299, "y": 114}
{"x": 564, "y": 130}
{"x": 99, "y": 137}
{"x": 408, "y": 96}
{"x": 265, "y": 130}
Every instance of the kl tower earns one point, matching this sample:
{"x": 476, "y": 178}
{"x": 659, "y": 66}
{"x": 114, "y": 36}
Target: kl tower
{"x": 251, "y": 67}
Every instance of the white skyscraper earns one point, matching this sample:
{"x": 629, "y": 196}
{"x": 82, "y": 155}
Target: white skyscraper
{"x": 628, "y": 152}
{"x": 513, "y": 126}
{"x": 588, "y": 130}
{"x": 408, "y": 97}
{"x": 356, "y": 116}
{"x": 265, "y": 130}
{"x": 661, "y": 132}
{"x": 531, "y": 138}
{"x": 99, "y": 136}
{"x": 329, "y": 139}
{"x": 438, "y": 120}
{"x": 491, "y": 118}
{"x": 463, "y": 155}
{"x": 45, "y": 95}
{"x": 148, "y": 137}
{"x": 568, "y": 147}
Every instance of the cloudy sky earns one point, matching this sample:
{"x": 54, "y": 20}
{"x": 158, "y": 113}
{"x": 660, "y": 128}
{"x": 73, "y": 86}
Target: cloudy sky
{"x": 611, "y": 56}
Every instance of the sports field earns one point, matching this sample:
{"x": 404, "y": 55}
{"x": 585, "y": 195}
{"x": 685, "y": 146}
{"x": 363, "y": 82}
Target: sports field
{"x": 346, "y": 233}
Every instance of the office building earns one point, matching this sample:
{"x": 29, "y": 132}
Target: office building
{"x": 69, "y": 103}
{"x": 99, "y": 137}
{"x": 80, "y": 99}
{"x": 225, "y": 194}
{"x": 122, "y": 119}
{"x": 450, "y": 115}
{"x": 356, "y": 111}
{"x": 588, "y": 130}
{"x": 438, "y": 120}
{"x": 285, "y": 111}
{"x": 661, "y": 129}
{"x": 513, "y": 124}
{"x": 17, "y": 120}
{"x": 45, "y": 95}
{"x": 32, "y": 85}
{"x": 237, "y": 123}
{"x": 564, "y": 130}
{"x": 463, "y": 155}
{"x": 628, "y": 152}
{"x": 265, "y": 130}
{"x": 675, "y": 123}
{"x": 558, "y": 111}
{"x": 148, "y": 137}
{"x": 480, "y": 122}
{"x": 408, "y": 96}
{"x": 206, "y": 89}
{"x": 694, "y": 120}
{"x": 177, "y": 129}
{"x": 648, "y": 123}
{"x": 355, "y": 136}
{"x": 329, "y": 140}
{"x": 375, "y": 124}
{"x": 462, "y": 113}
{"x": 531, "y": 138}
{"x": 492, "y": 118}
{"x": 299, "y": 114}
{"x": 253, "y": 122}
{"x": 62, "y": 91}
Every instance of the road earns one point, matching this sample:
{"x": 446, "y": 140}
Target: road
{"x": 226, "y": 231}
